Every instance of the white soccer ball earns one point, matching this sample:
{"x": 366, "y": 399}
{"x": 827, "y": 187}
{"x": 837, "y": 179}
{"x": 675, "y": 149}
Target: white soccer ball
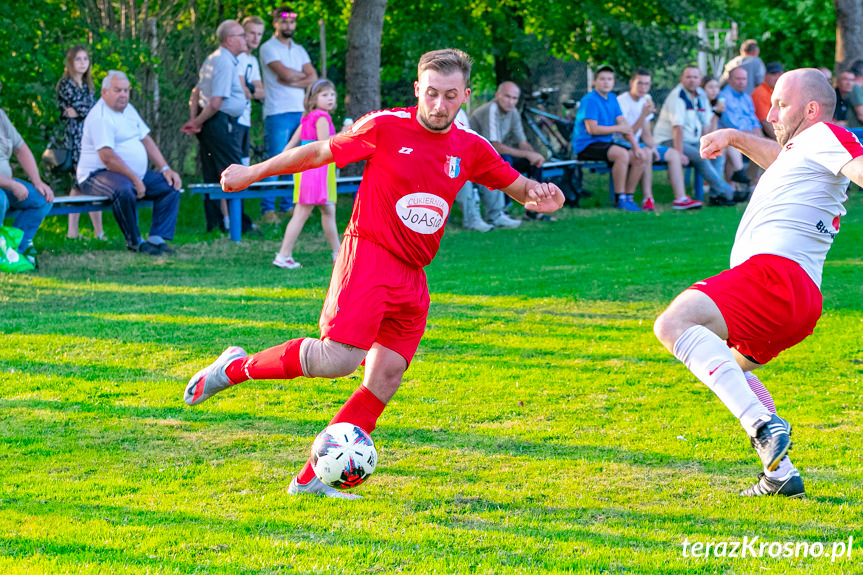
{"x": 343, "y": 455}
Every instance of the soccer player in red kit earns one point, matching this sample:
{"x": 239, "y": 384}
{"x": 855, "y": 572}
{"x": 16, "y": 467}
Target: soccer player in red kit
{"x": 417, "y": 160}
{"x": 724, "y": 327}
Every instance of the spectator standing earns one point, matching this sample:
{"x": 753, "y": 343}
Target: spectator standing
{"x": 27, "y": 201}
{"x": 315, "y": 187}
{"x": 763, "y": 93}
{"x": 638, "y": 109}
{"x": 116, "y": 150}
{"x": 686, "y": 115}
{"x": 854, "y": 117}
{"x": 75, "y": 96}
{"x": 844, "y": 86}
{"x": 287, "y": 71}
{"x": 250, "y": 77}
{"x": 749, "y": 61}
{"x": 215, "y": 107}
{"x": 598, "y": 121}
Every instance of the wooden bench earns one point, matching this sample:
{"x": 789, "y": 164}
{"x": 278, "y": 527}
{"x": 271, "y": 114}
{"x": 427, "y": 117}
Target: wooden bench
{"x": 263, "y": 189}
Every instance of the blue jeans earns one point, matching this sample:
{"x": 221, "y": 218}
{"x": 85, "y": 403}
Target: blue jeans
{"x": 28, "y": 213}
{"x": 278, "y": 129}
{"x": 120, "y": 190}
{"x": 707, "y": 169}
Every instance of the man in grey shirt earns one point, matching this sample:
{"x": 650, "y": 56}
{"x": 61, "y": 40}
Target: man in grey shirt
{"x": 217, "y": 102}
{"x": 500, "y": 123}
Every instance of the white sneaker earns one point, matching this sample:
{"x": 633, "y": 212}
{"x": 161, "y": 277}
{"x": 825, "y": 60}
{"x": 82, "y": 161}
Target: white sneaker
{"x": 318, "y": 487}
{"x": 504, "y": 221}
{"x": 287, "y": 263}
{"x": 212, "y": 379}
{"x": 478, "y": 226}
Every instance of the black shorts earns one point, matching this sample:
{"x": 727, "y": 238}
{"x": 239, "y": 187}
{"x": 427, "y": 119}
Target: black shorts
{"x": 597, "y": 151}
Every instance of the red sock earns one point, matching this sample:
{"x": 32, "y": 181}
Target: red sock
{"x": 363, "y": 408}
{"x": 279, "y": 362}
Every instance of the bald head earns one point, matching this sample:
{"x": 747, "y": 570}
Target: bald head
{"x": 507, "y": 96}
{"x": 800, "y": 99}
{"x": 813, "y": 87}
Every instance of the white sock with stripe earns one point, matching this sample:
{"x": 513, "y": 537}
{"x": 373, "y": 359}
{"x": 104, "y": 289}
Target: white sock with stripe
{"x": 710, "y": 360}
{"x": 785, "y": 466}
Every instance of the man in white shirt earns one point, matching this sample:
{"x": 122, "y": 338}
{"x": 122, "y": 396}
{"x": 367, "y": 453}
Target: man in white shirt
{"x": 250, "y": 77}
{"x": 638, "y": 109}
{"x": 116, "y": 150}
{"x": 725, "y": 326}
{"x": 287, "y": 72}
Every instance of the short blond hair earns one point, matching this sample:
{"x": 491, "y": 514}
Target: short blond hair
{"x": 446, "y": 62}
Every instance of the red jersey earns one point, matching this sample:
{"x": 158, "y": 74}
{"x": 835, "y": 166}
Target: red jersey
{"x": 411, "y": 179}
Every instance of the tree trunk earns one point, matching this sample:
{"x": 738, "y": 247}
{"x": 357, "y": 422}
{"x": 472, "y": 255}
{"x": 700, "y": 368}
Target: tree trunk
{"x": 363, "y": 62}
{"x": 849, "y": 32}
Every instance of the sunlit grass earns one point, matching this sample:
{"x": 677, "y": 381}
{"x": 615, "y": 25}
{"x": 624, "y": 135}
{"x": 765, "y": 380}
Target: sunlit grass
{"x": 540, "y": 428}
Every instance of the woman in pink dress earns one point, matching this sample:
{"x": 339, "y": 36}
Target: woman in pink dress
{"x": 316, "y": 187}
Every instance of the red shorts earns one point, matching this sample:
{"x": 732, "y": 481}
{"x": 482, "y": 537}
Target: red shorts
{"x": 768, "y": 302}
{"x": 374, "y": 297}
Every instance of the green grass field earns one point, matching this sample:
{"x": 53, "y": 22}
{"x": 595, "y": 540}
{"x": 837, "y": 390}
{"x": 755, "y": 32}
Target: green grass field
{"x": 541, "y": 427}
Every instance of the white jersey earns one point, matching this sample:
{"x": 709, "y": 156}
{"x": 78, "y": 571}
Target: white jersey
{"x": 795, "y": 209}
{"x": 249, "y": 70}
{"x": 631, "y": 109}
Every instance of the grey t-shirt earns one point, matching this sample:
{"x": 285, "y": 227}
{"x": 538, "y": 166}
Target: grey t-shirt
{"x": 220, "y": 78}
{"x": 10, "y": 140}
{"x": 495, "y": 126}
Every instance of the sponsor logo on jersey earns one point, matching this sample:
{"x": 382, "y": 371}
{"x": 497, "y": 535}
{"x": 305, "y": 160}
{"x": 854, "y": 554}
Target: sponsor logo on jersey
{"x": 822, "y": 227}
{"x": 406, "y": 150}
{"x": 422, "y": 213}
{"x": 452, "y": 166}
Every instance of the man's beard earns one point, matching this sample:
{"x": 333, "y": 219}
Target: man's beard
{"x": 286, "y": 34}
{"x": 426, "y": 120}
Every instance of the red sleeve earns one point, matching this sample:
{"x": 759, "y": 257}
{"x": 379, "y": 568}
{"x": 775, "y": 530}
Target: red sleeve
{"x": 489, "y": 169}
{"x": 358, "y": 143}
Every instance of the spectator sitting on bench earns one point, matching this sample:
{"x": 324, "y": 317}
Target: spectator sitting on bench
{"x": 499, "y": 122}
{"x": 686, "y": 114}
{"x": 116, "y": 149}
{"x": 603, "y": 134}
{"x": 638, "y": 109}
{"x": 740, "y": 115}
{"x": 29, "y": 202}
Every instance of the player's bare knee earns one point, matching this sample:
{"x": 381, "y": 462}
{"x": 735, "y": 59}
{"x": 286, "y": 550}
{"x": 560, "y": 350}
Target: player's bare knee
{"x": 328, "y": 358}
{"x": 666, "y": 328}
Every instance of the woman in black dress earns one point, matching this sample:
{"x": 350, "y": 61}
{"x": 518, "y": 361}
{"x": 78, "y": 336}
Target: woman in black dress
{"x": 75, "y": 96}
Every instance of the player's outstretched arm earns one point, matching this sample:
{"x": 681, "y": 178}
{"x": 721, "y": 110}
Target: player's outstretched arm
{"x": 853, "y": 170}
{"x": 543, "y": 197}
{"x": 761, "y": 150}
{"x": 312, "y": 155}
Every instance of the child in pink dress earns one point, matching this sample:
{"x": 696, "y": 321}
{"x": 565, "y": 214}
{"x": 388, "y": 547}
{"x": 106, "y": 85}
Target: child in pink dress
{"x": 315, "y": 187}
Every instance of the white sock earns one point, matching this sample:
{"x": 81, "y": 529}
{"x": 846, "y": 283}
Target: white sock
{"x": 783, "y": 471}
{"x": 710, "y": 360}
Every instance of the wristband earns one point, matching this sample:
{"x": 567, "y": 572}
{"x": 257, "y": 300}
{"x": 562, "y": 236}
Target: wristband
{"x": 165, "y": 168}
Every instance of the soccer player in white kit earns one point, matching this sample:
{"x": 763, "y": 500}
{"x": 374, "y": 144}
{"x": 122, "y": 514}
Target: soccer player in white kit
{"x": 724, "y": 327}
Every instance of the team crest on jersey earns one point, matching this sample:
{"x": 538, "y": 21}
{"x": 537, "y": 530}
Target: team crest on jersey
{"x": 453, "y": 166}
{"x": 422, "y": 213}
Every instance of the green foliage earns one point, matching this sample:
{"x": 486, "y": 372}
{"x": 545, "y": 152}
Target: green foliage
{"x": 798, "y": 34}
